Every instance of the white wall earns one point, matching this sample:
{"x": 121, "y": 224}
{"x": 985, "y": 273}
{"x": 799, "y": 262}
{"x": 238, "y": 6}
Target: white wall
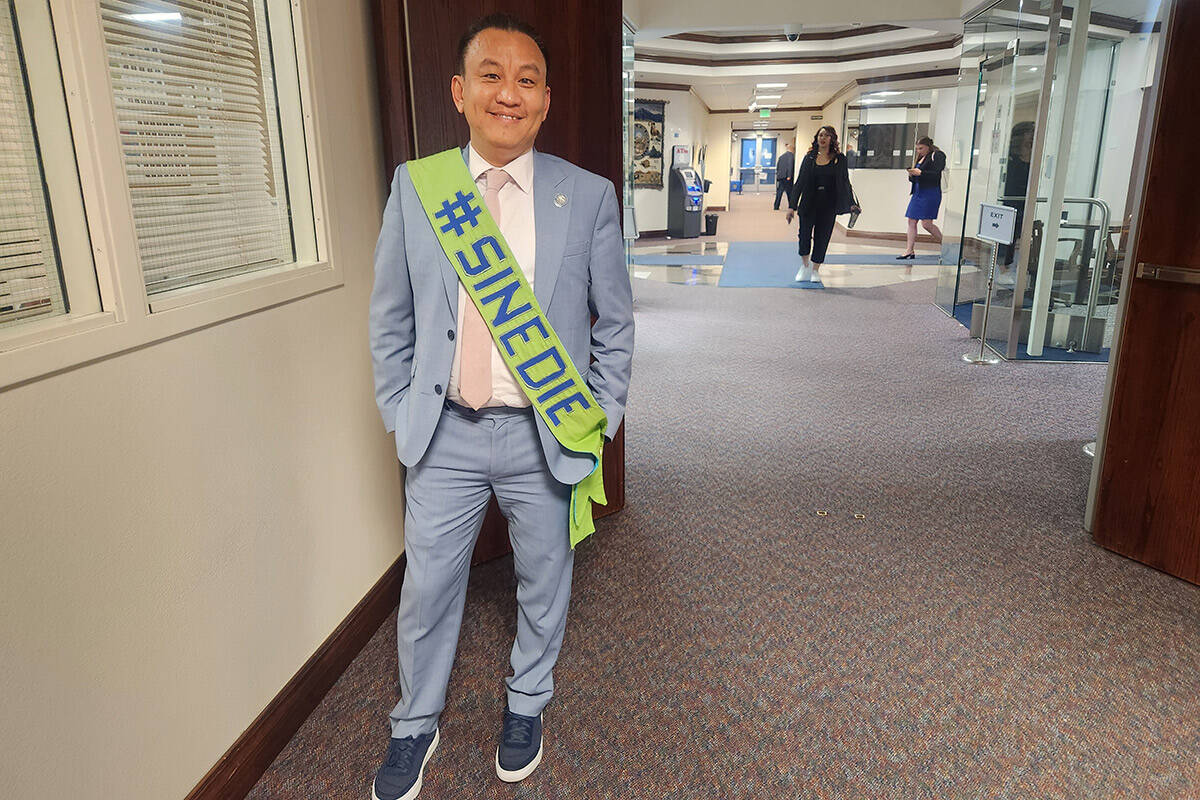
{"x": 884, "y": 196}
{"x": 884, "y": 193}
{"x": 185, "y": 523}
{"x": 718, "y": 136}
{"x": 685, "y": 119}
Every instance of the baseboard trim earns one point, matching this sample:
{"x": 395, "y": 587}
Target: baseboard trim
{"x": 884, "y": 236}
{"x": 236, "y": 773}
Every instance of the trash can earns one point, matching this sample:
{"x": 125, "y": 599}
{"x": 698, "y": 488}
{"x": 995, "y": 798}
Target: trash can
{"x": 710, "y": 224}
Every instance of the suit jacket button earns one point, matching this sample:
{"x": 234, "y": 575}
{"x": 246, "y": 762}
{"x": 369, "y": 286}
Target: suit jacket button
{"x": 437, "y": 388}
{"x": 450, "y": 335}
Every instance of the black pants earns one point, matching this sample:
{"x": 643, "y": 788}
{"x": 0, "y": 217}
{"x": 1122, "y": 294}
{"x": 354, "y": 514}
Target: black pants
{"x": 816, "y": 227}
{"x": 782, "y": 188}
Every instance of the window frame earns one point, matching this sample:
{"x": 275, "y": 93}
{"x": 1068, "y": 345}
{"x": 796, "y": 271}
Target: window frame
{"x": 122, "y": 316}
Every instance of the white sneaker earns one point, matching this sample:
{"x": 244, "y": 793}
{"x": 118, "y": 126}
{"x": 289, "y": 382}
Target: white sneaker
{"x": 804, "y": 275}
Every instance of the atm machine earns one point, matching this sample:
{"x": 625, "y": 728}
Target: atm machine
{"x": 685, "y": 198}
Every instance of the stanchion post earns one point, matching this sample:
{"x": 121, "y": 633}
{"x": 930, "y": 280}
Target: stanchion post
{"x": 983, "y": 357}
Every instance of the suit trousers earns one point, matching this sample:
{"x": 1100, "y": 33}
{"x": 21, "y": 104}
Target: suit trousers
{"x": 472, "y": 454}
{"x": 782, "y": 189}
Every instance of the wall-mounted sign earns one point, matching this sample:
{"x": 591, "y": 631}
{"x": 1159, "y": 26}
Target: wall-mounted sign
{"x": 681, "y": 155}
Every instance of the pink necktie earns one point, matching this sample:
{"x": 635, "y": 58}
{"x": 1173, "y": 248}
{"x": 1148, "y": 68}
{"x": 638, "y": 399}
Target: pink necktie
{"x": 475, "y": 371}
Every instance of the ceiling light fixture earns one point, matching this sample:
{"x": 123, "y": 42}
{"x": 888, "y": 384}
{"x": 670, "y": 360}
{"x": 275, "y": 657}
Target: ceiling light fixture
{"x": 770, "y": 86}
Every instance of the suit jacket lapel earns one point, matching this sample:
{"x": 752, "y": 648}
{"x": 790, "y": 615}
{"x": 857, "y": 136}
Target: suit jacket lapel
{"x": 550, "y": 222}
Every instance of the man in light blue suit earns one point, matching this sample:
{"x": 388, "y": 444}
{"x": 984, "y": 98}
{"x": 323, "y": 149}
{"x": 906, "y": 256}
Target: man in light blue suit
{"x": 463, "y": 427}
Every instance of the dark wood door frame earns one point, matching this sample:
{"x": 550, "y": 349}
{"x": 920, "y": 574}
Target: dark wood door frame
{"x": 1147, "y": 503}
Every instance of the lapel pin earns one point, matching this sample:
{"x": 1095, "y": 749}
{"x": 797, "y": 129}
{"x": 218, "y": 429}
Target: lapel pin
{"x": 560, "y": 200}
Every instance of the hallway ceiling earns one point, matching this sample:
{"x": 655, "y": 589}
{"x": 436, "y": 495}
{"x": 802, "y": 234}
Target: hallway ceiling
{"x": 723, "y": 67}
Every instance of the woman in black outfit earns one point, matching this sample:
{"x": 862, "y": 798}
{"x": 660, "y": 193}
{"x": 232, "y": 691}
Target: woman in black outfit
{"x": 822, "y": 191}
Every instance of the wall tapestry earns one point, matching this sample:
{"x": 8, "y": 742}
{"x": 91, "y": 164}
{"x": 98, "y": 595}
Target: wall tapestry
{"x": 648, "y": 144}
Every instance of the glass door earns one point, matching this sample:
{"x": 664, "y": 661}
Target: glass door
{"x": 1027, "y": 77}
{"x": 997, "y": 106}
{"x": 748, "y": 165}
{"x": 757, "y": 165}
{"x": 1079, "y": 221}
{"x": 767, "y": 156}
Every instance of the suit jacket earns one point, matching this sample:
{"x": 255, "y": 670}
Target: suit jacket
{"x": 931, "y": 167}
{"x": 579, "y": 272}
{"x": 786, "y": 168}
{"x": 803, "y": 192}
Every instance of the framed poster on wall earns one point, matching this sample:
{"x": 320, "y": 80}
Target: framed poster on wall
{"x": 648, "y": 118}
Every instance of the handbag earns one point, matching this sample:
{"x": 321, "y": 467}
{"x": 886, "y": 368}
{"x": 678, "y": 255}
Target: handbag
{"x": 854, "y": 214}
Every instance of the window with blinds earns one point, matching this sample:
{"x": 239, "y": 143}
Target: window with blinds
{"x": 194, "y": 87}
{"x": 30, "y": 278}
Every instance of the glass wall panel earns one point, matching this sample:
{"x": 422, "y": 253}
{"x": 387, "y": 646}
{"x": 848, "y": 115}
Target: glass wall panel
{"x": 1068, "y": 177}
{"x": 627, "y": 84}
{"x": 1070, "y": 286}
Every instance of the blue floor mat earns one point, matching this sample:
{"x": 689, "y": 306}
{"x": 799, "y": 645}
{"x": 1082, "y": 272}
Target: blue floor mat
{"x": 676, "y": 260}
{"x": 774, "y": 264}
{"x": 760, "y": 264}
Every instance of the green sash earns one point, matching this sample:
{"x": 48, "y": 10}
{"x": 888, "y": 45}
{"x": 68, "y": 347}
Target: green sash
{"x": 530, "y": 347}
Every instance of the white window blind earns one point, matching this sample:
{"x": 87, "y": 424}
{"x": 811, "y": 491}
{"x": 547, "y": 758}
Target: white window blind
{"x": 30, "y": 279}
{"x": 194, "y": 88}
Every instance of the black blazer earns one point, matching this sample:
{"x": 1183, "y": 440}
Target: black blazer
{"x": 931, "y": 167}
{"x": 803, "y": 192}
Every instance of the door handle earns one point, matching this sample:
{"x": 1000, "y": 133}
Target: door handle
{"x": 1158, "y": 272}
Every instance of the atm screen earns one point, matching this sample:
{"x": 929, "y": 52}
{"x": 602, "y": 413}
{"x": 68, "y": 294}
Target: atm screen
{"x": 690, "y": 179}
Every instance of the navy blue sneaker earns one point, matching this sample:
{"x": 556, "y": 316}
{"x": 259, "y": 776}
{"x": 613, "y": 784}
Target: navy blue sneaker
{"x": 400, "y": 776}
{"x": 520, "y": 749}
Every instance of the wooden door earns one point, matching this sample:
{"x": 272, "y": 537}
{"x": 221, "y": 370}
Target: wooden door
{"x": 1148, "y": 500}
{"x": 583, "y": 40}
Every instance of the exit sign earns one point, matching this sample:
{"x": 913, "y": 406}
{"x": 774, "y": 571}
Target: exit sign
{"x": 764, "y": 112}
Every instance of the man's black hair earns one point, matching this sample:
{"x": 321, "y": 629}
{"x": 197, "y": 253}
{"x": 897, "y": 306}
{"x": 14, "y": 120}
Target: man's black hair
{"x": 504, "y": 22}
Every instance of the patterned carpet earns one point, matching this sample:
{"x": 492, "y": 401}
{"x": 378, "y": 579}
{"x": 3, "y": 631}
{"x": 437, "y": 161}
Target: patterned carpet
{"x": 963, "y": 639}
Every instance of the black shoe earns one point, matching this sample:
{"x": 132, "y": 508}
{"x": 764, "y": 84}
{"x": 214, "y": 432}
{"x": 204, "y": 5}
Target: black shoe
{"x": 520, "y": 749}
{"x": 906, "y": 256}
{"x": 404, "y": 768}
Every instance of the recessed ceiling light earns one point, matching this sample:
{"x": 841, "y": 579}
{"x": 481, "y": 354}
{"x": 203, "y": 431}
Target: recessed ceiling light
{"x": 770, "y": 85}
{"x": 769, "y": 97}
{"x": 885, "y": 94}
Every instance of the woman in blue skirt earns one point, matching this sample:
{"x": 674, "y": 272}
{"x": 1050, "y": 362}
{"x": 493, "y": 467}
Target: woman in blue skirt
{"x": 926, "y": 178}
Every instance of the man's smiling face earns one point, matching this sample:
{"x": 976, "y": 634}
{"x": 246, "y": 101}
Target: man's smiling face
{"x": 503, "y": 93}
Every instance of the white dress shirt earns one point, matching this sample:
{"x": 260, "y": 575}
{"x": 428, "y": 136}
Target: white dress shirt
{"x": 516, "y": 225}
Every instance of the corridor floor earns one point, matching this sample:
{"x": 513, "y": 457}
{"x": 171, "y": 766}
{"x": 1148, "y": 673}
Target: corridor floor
{"x": 945, "y": 631}
{"x": 751, "y": 218}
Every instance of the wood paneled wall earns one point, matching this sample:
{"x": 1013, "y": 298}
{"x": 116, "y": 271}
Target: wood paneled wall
{"x": 583, "y": 40}
{"x": 1148, "y": 505}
